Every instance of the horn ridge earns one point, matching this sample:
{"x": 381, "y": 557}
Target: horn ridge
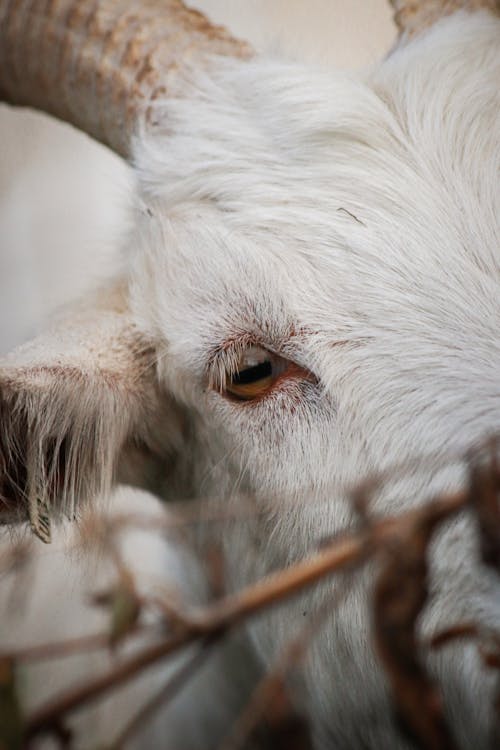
{"x": 98, "y": 64}
{"x": 413, "y": 16}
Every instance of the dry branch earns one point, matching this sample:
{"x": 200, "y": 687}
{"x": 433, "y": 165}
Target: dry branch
{"x": 219, "y": 617}
{"x": 211, "y": 620}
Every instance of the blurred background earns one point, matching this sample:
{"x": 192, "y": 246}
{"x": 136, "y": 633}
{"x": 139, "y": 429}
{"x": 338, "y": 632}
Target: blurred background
{"x": 63, "y": 198}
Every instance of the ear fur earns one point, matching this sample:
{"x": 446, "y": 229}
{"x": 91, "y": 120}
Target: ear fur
{"x": 71, "y": 403}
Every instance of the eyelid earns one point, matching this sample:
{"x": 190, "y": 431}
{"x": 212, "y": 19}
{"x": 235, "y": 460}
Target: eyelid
{"x": 225, "y": 360}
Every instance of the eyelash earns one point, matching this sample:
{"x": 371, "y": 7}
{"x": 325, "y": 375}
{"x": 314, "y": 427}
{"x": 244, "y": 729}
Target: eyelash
{"x": 225, "y": 361}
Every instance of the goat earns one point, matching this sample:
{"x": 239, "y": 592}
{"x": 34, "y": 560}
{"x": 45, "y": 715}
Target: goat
{"x": 308, "y": 296}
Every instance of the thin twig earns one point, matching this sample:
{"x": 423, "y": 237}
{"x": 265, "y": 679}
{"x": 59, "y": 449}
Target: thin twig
{"x": 60, "y": 649}
{"x": 168, "y": 691}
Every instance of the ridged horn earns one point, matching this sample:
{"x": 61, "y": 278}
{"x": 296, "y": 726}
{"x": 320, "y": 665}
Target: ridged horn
{"x": 413, "y": 16}
{"x": 99, "y": 64}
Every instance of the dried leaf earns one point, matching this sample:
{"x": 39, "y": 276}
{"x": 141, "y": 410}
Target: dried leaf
{"x": 124, "y": 607}
{"x": 400, "y": 594}
{"x": 485, "y": 498}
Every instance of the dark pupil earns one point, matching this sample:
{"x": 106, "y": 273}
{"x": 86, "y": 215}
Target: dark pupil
{"x": 252, "y": 374}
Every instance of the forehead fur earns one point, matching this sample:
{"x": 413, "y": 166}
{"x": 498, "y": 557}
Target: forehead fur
{"x": 289, "y": 155}
{"x": 354, "y": 209}
{"x": 337, "y": 185}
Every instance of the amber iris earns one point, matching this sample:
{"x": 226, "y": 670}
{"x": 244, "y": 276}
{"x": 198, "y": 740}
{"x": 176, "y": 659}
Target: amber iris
{"x": 255, "y": 375}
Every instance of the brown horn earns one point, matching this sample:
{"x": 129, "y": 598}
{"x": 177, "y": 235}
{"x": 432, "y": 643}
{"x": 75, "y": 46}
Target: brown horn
{"x": 99, "y": 65}
{"x": 413, "y": 16}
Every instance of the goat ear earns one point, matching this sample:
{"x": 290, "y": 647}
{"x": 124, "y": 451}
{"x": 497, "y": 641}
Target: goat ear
{"x": 73, "y": 404}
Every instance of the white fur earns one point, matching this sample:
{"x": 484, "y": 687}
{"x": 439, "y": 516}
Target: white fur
{"x": 349, "y": 224}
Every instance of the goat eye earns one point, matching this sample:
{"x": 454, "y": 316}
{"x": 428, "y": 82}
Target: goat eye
{"x": 255, "y": 374}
